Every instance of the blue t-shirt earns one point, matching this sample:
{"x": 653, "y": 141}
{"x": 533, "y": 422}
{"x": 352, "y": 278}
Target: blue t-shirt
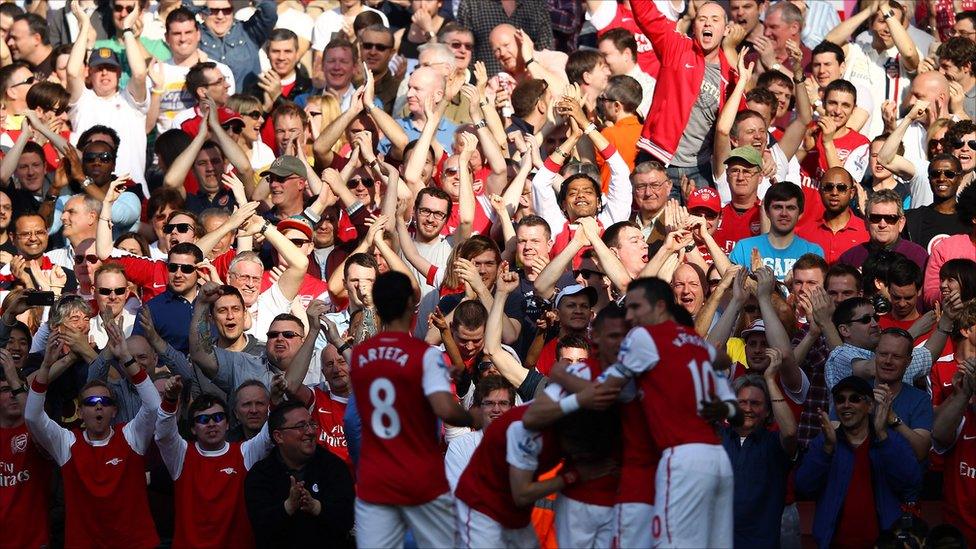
{"x": 914, "y": 408}
{"x": 780, "y": 261}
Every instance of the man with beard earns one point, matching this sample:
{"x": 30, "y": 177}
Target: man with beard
{"x": 780, "y": 248}
{"x": 927, "y": 225}
{"x": 95, "y": 516}
{"x": 432, "y": 209}
{"x": 301, "y": 494}
{"x": 837, "y": 229}
{"x": 209, "y": 473}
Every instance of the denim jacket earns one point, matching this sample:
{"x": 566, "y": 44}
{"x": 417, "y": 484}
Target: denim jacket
{"x": 894, "y": 471}
{"x": 238, "y": 49}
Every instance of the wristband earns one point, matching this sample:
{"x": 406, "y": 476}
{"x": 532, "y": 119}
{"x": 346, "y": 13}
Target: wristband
{"x": 481, "y": 124}
{"x": 590, "y": 128}
{"x": 776, "y": 66}
{"x": 529, "y": 61}
{"x": 265, "y": 227}
{"x": 561, "y": 153}
{"x": 130, "y": 362}
{"x": 483, "y": 102}
{"x": 798, "y": 79}
{"x": 779, "y": 400}
{"x": 342, "y": 348}
{"x": 158, "y": 91}
{"x": 569, "y": 404}
{"x": 128, "y": 30}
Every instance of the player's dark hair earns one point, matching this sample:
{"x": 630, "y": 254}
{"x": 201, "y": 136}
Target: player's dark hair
{"x": 37, "y": 25}
{"x": 227, "y": 289}
{"x": 392, "y": 295}
{"x": 656, "y": 290}
{"x": 876, "y": 268}
{"x": 279, "y": 35}
{"x": 195, "y": 78}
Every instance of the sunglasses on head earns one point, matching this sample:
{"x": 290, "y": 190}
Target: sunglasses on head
{"x": 948, "y": 174}
{"x": 287, "y": 334}
{"x": 187, "y": 269}
{"x": 221, "y": 11}
{"x": 866, "y": 319}
{"x": 203, "y": 419}
{"x": 90, "y": 258}
{"x": 181, "y": 228}
{"x": 111, "y": 291}
{"x": 103, "y": 157}
{"x": 958, "y": 144}
{"x": 890, "y": 219}
{"x": 853, "y": 399}
{"x": 374, "y": 46}
{"x": 831, "y": 187}
{"x": 98, "y": 399}
{"x": 366, "y": 181}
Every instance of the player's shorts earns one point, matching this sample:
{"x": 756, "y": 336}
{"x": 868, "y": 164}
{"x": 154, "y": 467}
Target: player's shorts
{"x": 432, "y": 523}
{"x": 632, "y": 526}
{"x": 477, "y": 530}
{"x": 583, "y": 525}
{"x": 694, "y": 498}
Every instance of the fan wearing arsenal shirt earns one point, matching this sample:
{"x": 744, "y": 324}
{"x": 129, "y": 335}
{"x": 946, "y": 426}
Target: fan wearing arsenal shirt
{"x": 681, "y": 396}
{"x": 401, "y": 388}
{"x": 954, "y": 436}
{"x": 209, "y": 473}
{"x": 103, "y": 468}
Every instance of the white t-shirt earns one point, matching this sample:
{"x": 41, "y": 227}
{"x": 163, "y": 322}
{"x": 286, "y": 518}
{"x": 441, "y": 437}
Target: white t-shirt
{"x": 866, "y": 70}
{"x": 124, "y": 115}
{"x": 436, "y": 252}
{"x": 330, "y": 22}
{"x": 176, "y": 98}
{"x": 261, "y": 155}
{"x": 270, "y": 304}
{"x": 458, "y": 455}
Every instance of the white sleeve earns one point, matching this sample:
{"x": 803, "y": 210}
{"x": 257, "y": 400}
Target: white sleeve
{"x": 139, "y": 432}
{"x": 257, "y": 448}
{"x": 56, "y": 440}
{"x": 436, "y": 378}
{"x": 638, "y": 353}
{"x": 555, "y": 391}
{"x": 800, "y": 396}
{"x": 322, "y": 30}
{"x": 523, "y": 447}
{"x": 722, "y": 186}
{"x": 857, "y": 162}
{"x": 39, "y": 341}
{"x": 918, "y": 187}
{"x": 723, "y": 388}
{"x": 620, "y": 194}
{"x": 546, "y": 203}
{"x": 604, "y": 14}
{"x": 172, "y": 447}
{"x": 456, "y": 459}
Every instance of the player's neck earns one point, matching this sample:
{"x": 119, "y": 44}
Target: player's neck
{"x": 398, "y": 325}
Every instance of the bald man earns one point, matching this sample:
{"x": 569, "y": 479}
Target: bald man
{"x": 838, "y": 229}
{"x": 933, "y": 87}
{"x": 522, "y": 61}
{"x": 424, "y": 82}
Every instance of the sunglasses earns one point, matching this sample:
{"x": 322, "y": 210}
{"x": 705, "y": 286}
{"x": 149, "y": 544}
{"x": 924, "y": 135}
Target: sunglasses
{"x": 866, "y": 319}
{"x": 287, "y": 334}
{"x": 120, "y": 9}
{"x": 374, "y": 46}
{"x": 28, "y": 82}
{"x": 255, "y": 114}
{"x": 958, "y": 144}
{"x": 354, "y": 183}
{"x": 830, "y": 187}
{"x": 707, "y": 214}
{"x": 90, "y": 258}
{"x": 299, "y": 241}
{"x": 221, "y": 11}
{"x": 103, "y": 157}
{"x": 181, "y": 228}
{"x": 187, "y": 269}
{"x": 96, "y": 399}
{"x": 586, "y": 273}
{"x": 457, "y": 45}
{"x": 853, "y": 399}
{"x": 204, "y": 419}
{"x": 890, "y": 219}
{"x": 948, "y": 174}
{"x": 112, "y": 291}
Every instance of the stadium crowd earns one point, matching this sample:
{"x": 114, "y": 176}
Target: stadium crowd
{"x": 488, "y": 273}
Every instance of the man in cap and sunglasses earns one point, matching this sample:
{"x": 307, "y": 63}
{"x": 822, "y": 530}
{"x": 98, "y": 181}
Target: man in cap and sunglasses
{"x": 99, "y": 455}
{"x": 862, "y": 469}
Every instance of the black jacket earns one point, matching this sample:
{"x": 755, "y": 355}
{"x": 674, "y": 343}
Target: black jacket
{"x": 326, "y": 477}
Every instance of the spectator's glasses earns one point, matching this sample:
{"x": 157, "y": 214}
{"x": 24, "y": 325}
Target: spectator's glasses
{"x": 187, "y": 269}
{"x": 313, "y": 114}
{"x": 427, "y": 212}
{"x": 28, "y": 82}
{"x": 247, "y": 279}
{"x": 451, "y": 171}
{"x": 890, "y": 219}
{"x": 299, "y": 241}
{"x": 704, "y": 212}
{"x": 955, "y": 143}
{"x": 853, "y": 399}
{"x": 90, "y": 258}
{"x": 354, "y": 183}
{"x": 374, "y": 46}
{"x": 118, "y": 8}
{"x": 112, "y": 291}
{"x": 457, "y": 45}
{"x": 181, "y": 228}
{"x": 305, "y": 426}
{"x": 218, "y": 82}
{"x": 948, "y": 174}
{"x": 586, "y": 273}
{"x": 831, "y": 187}
{"x": 29, "y": 234}
{"x": 714, "y": 282}
{"x": 287, "y": 334}
{"x": 95, "y": 400}
{"x": 204, "y": 419}
{"x": 866, "y": 319}
{"x": 226, "y": 12}
{"x": 255, "y": 114}
{"x": 103, "y": 157}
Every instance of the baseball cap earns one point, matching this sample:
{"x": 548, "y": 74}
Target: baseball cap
{"x": 286, "y": 165}
{"x": 705, "y": 197}
{"x": 574, "y": 289}
{"x": 297, "y": 223}
{"x": 757, "y": 327}
{"x": 857, "y": 384}
{"x": 103, "y": 56}
{"x": 747, "y": 153}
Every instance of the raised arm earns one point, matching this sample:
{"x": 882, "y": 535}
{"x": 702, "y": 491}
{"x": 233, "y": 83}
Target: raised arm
{"x": 10, "y": 160}
{"x": 134, "y": 50}
{"x": 76, "y": 59}
{"x": 888, "y": 154}
{"x": 58, "y": 142}
{"x": 244, "y": 213}
{"x": 466, "y": 200}
{"x": 330, "y": 135}
{"x": 175, "y": 176}
{"x": 295, "y": 374}
{"x": 793, "y": 135}
{"x": 201, "y": 340}
{"x": 56, "y": 440}
{"x": 507, "y": 365}
{"x": 842, "y": 33}
{"x": 722, "y": 145}
{"x": 103, "y": 231}
{"x": 910, "y": 57}
{"x": 555, "y": 80}
{"x": 232, "y": 151}
{"x": 492, "y": 150}
{"x": 775, "y": 332}
{"x": 545, "y": 283}
{"x": 611, "y": 264}
{"x": 781, "y": 411}
{"x": 172, "y": 447}
{"x": 948, "y": 416}
{"x": 290, "y": 281}
{"x": 385, "y": 122}
{"x": 418, "y": 155}
{"x": 722, "y": 330}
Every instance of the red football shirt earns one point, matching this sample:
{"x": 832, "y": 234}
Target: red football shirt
{"x": 25, "y": 483}
{"x": 733, "y": 226}
{"x": 959, "y": 479}
{"x": 329, "y": 410}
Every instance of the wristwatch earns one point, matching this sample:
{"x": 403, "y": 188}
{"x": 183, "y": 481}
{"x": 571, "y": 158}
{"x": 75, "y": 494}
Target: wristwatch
{"x": 86, "y": 182}
{"x": 895, "y": 423}
{"x": 798, "y": 79}
{"x": 481, "y": 124}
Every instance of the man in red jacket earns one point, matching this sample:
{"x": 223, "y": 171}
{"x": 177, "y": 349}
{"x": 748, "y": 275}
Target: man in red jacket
{"x": 692, "y": 86}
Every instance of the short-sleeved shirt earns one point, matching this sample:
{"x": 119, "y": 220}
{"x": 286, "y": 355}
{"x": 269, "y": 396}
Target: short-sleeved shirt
{"x": 779, "y": 260}
{"x": 234, "y": 368}
{"x": 840, "y": 363}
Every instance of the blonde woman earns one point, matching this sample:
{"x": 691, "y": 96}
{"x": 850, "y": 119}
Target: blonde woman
{"x": 249, "y": 139}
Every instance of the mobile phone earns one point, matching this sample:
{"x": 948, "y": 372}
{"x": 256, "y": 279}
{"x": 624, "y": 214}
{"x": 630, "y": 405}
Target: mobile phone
{"x": 40, "y": 299}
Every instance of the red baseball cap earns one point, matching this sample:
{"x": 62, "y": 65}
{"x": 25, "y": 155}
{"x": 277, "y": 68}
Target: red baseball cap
{"x": 705, "y": 197}
{"x": 297, "y": 223}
